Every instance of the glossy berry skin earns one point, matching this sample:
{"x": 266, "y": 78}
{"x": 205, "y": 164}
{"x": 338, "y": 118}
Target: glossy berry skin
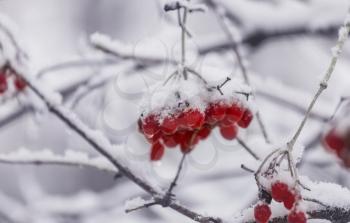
{"x": 154, "y": 138}
{"x": 193, "y": 119}
{"x": 20, "y": 84}
{"x": 262, "y": 213}
{"x": 334, "y": 141}
{"x": 169, "y": 141}
{"x": 297, "y": 217}
{"x": 289, "y": 200}
{"x": 229, "y": 132}
{"x": 157, "y": 151}
{"x": 234, "y": 112}
{"x": 3, "y": 83}
{"x": 246, "y": 119}
{"x": 204, "y": 132}
{"x": 279, "y": 191}
{"x": 169, "y": 125}
{"x": 150, "y": 125}
{"x": 215, "y": 112}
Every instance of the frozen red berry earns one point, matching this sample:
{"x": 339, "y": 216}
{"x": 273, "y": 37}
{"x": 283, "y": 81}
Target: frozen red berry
{"x": 193, "y": 118}
{"x": 334, "y": 141}
{"x": 229, "y": 132}
{"x": 169, "y": 141}
{"x": 154, "y": 138}
{"x": 3, "y": 83}
{"x": 215, "y": 112}
{"x": 169, "y": 125}
{"x": 157, "y": 151}
{"x": 234, "y": 112}
{"x": 289, "y": 200}
{"x": 204, "y": 132}
{"x": 262, "y": 213}
{"x": 246, "y": 119}
{"x": 296, "y": 217}
{"x": 150, "y": 125}
{"x": 279, "y": 191}
{"x": 20, "y": 84}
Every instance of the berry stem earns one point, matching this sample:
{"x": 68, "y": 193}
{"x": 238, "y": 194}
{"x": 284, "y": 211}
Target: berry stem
{"x": 342, "y": 37}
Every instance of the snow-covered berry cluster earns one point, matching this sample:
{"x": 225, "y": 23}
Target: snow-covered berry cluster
{"x": 6, "y": 75}
{"x": 337, "y": 140}
{"x": 282, "y": 193}
{"x": 186, "y": 112}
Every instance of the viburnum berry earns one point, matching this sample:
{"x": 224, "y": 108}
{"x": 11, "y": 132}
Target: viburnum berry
{"x": 234, "y": 112}
{"x": 169, "y": 125}
{"x": 157, "y": 151}
{"x": 229, "y": 132}
{"x": 279, "y": 191}
{"x": 289, "y": 200}
{"x": 150, "y": 125}
{"x": 3, "y": 83}
{"x": 194, "y": 118}
{"x": 154, "y": 138}
{"x": 204, "y": 132}
{"x": 20, "y": 84}
{"x": 262, "y": 213}
{"x": 246, "y": 119}
{"x": 334, "y": 141}
{"x": 296, "y": 217}
{"x": 215, "y": 112}
{"x": 169, "y": 141}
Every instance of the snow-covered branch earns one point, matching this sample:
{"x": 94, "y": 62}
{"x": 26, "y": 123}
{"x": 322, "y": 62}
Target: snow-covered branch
{"x": 47, "y": 157}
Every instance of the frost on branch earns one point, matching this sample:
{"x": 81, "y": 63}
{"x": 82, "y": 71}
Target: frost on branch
{"x": 47, "y": 157}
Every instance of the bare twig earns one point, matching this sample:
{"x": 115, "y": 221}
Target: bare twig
{"x": 247, "y": 148}
{"x": 343, "y": 35}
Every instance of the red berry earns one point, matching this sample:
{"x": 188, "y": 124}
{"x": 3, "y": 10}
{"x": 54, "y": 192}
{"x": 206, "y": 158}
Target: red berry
{"x": 246, "y": 119}
{"x": 296, "y": 217}
{"x": 234, "y": 112}
{"x": 226, "y": 122}
{"x": 157, "y": 151}
{"x": 193, "y": 119}
{"x": 3, "y": 83}
{"x": 229, "y": 132}
{"x": 262, "y": 213}
{"x": 334, "y": 141}
{"x": 215, "y": 112}
{"x": 154, "y": 138}
{"x": 169, "y": 125}
{"x": 190, "y": 139}
{"x": 150, "y": 125}
{"x": 20, "y": 84}
{"x": 279, "y": 191}
{"x": 169, "y": 141}
{"x": 204, "y": 132}
{"x": 289, "y": 200}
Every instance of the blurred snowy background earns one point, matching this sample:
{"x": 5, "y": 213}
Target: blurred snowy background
{"x": 287, "y": 56}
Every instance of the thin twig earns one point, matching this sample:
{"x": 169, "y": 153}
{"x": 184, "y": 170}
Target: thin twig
{"x": 247, "y": 148}
{"x": 343, "y": 35}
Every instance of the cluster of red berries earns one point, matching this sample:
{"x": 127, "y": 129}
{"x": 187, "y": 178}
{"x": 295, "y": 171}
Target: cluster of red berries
{"x": 281, "y": 193}
{"x": 5, "y": 75}
{"x": 188, "y": 125}
{"x": 339, "y": 143}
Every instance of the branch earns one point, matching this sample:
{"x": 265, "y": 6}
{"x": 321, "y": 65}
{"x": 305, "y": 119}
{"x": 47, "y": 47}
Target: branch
{"x": 125, "y": 52}
{"x": 46, "y": 157}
